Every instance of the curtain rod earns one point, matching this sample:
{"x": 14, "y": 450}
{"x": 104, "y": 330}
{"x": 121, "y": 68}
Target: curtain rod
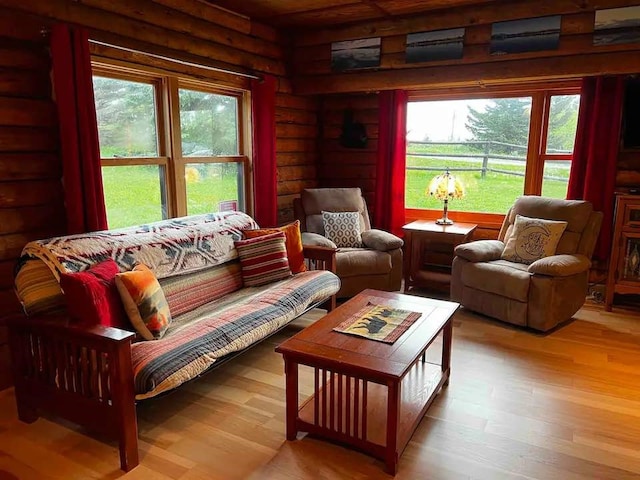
{"x": 175, "y": 60}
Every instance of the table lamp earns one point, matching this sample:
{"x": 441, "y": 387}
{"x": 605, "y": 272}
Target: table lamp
{"x": 444, "y": 187}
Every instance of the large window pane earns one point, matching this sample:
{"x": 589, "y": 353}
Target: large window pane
{"x": 209, "y": 124}
{"x": 556, "y": 178}
{"x": 209, "y": 184}
{"x": 126, "y": 118}
{"x": 133, "y": 194}
{"x": 563, "y": 121}
{"x": 482, "y": 142}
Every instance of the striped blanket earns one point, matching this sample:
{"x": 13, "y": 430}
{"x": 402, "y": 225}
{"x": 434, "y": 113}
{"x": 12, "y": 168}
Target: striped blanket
{"x": 170, "y": 247}
{"x": 198, "y": 338}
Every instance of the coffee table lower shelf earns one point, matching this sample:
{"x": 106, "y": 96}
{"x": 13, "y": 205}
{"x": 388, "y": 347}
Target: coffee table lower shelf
{"x": 360, "y": 413}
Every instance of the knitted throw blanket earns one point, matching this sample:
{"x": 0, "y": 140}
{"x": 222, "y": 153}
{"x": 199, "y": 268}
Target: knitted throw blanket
{"x": 169, "y": 247}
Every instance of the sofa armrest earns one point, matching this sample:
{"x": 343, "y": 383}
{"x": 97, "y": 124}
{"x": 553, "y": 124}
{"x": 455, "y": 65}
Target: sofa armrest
{"x": 381, "y": 240}
{"x": 79, "y": 372}
{"x": 321, "y": 258}
{"x": 560, "y": 265}
{"x": 59, "y": 325}
{"x": 480, "y": 250}
{"x": 314, "y": 239}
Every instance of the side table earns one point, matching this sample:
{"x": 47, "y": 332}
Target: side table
{"x": 434, "y": 269}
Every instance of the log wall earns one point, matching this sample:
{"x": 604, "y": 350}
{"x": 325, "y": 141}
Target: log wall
{"x": 349, "y": 167}
{"x": 576, "y": 56}
{"x": 31, "y": 192}
{"x": 31, "y": 200}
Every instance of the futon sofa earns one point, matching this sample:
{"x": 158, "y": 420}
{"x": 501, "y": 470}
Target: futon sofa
{"x": 93, "y": 375}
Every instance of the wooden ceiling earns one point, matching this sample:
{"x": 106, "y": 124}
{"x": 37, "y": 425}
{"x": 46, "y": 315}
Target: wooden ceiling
{"x": 297, "y": 14}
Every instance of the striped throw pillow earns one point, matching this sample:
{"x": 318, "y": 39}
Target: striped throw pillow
{"x": 293, "y": 242}
{"x": 263, "y": 259}
{"x": 144, "y": 302}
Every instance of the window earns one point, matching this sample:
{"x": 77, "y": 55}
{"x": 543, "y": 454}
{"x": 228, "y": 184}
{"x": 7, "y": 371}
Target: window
{"x": 559, "y": 135}
{"x": 500, "y": 146}
{"x": 169, "y": 146}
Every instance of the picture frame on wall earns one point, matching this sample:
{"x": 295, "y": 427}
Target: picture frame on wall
{"x": 355, "y": 54}
{"x": 617, "y": 25}
{"x": 526, "y": 35}
{"x": 435, "y": 45}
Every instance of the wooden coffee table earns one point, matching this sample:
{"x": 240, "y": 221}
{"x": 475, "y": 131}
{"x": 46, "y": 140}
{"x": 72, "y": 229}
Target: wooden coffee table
{"x": 367, "y": 394}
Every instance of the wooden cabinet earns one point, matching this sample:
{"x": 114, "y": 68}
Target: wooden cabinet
{"x": 429, "y": 253}
{"x": 624, "y": 265}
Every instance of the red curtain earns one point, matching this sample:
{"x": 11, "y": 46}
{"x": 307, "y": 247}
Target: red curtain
{"x": 392, "y": 158}
{"x": 263, "y": 108}
{"x": 593, "y": 170}
{"x": 73, "y": 88}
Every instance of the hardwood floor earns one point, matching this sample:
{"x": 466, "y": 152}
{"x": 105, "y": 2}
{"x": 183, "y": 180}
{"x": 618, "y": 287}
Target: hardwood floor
{"x": 519, "y": 406}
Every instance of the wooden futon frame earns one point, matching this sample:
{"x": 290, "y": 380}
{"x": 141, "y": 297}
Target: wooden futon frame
{"x": 84, "y": 373}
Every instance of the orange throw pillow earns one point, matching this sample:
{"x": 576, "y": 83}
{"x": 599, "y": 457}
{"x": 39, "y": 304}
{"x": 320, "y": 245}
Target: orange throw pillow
{"x": 293, "y": 241}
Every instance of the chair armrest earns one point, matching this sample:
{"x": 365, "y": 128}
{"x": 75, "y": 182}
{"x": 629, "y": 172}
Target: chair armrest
{"x": 560, "y": 265}
{"x": 314, "y": 239}
{"x": 480, "y": 250}
{"x": 381, "y": 240}
{"x": 322, "y": 258}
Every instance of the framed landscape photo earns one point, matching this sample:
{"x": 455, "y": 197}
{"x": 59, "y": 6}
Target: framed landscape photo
{"x": 617, "y": 25}
{"x": 434, "y": 46}
{"x": 528, "y": 35}
{"x": 355, "y": 54}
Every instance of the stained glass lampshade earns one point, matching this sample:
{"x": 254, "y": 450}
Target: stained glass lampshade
{"x": 445, "y": 187}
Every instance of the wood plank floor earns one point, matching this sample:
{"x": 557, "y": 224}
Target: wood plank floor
{"x": 520, "y": 406}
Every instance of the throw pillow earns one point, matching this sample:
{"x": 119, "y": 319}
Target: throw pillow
{"x": 532, "y": 239}
{"x": 92, "y": 297}
{"x": 293, "y": 243}
{"x": 144, "y": 302}
{"x": 263, "y": 259}
{"x": 342, "y": 228}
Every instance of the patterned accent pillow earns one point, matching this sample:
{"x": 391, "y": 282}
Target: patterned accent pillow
{"x": 532, "y": 239}
{"x": 92, "y": 297}
{"x": 293, "y": 241}
{"x": 342, "y": 228}
{"x": 144, "y": 302}
{"x": 263, "y": 259}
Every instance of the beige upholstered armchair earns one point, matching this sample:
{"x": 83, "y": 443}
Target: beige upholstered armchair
{"x": 539, "y": 295}
{"x": 376, "y": 264}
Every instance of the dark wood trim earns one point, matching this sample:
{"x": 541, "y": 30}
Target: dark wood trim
{"x": 558, "y": 87}
{"x": 479, "y": 75}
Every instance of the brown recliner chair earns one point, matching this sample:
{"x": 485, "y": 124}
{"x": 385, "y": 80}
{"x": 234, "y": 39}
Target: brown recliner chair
{"x": 540, "y": 295}
{"x": 377, "y": 265}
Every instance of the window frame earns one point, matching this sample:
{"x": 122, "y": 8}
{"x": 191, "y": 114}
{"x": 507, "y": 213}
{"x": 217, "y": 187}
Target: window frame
{"x": 169, "y": 140}
{"x": 540, "y": 94}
